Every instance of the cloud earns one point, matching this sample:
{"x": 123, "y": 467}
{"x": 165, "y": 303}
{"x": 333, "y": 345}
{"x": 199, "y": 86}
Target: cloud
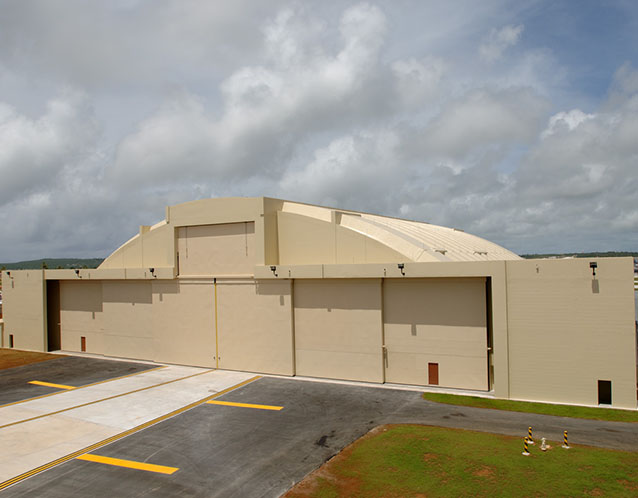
{"x": 578, "y": 178}
{"x": 266, "y": 108}
{"x": 575, "y": 171}
{"x": 118, "y": 109}
{"x": 110, "y": 45}
{"x": 484, "y": 117}
{"x": 418, "y": 81}
{"x": 368, "y": 160}
{"x": 499, "y": 40}
{"x": 565, "y": 122}
{"x": 34, "y": 152}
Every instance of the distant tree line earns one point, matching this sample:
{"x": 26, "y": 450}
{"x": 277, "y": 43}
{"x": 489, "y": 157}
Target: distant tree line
{"x": 607, "y": 254}
{"x": 58, "y": 263}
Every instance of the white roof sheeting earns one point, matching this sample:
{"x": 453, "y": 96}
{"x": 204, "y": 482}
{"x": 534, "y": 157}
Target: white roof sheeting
{"x": 425, "y": 242}
{"x": 417, "y": 241}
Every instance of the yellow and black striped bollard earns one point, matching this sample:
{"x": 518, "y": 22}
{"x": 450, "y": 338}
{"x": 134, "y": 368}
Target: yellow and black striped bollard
{"x": 525, "y": 448}
{"x": 565, "y": 443}
{"x": 529, "y": 435}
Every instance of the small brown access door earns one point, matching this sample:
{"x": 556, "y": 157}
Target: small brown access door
{"x": 433, "y": 374}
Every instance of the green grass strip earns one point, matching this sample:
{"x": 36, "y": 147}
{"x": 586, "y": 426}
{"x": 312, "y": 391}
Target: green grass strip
{"x": 417, "y": 461}
{"x": 530, "y": 407}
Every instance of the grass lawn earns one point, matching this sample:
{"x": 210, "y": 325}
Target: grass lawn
{"x": 530, "y": 407}
{"x": 10, "y": 358}
{"x": 417, "y": 461}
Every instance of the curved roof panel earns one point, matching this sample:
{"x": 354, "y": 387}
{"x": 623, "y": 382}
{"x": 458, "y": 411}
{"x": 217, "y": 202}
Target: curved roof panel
{"x": 417, "y": 241}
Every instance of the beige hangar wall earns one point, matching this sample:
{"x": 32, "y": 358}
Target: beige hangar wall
{"x": 166, "y": 321}
{"x": 254, "y": 325}
{"x": 569, "y": 329}
{"x": 305, "y": 240}
{"x": 440, "y": 321}
{"x": 338, "y": 329}
{"x": 24, "y": 307}
{"x": 128, "y": 314}
{"x": 184, "y": 322}
{"x": 175, "y": 321}
{"x": 556, "y": 329}
{"x": 224, "y": 249}
{"x": 152, "y": 247}
{"x": 81, "y": 315}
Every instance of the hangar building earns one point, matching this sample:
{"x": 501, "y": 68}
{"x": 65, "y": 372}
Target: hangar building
{"x": 278, "y": 287}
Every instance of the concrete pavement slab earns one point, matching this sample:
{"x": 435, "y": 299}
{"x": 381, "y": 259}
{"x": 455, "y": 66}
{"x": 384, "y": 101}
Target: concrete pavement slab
{"x": 33, "y": 443}
{"x": 67, "y": 370}
{"x": 66, "y": 400}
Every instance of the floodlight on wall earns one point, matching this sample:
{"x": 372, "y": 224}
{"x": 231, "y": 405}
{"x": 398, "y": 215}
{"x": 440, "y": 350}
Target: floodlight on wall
{"x": 152, "y": 270}
{"x": 401, "y": 266}
{"x": 9, "y": 274}
{"x": 273, "y": 269}
{"x": 593, "y": 265}
{"x": 77, "y": 272}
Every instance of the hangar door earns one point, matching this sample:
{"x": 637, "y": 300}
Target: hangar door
{"x": 436, "y": 332}
{"x": 338, "y": 329}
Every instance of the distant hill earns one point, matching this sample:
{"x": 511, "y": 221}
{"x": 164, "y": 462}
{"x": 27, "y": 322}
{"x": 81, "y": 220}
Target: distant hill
{"x": 608, "y": 254}
{"x": 53, "y": 263}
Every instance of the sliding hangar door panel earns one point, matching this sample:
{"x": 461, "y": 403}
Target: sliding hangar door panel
{"x": 81, "y": 316}
{"x": 436, "y": 332}
{"x": 184, "y": 322}
{"x": 338, "y": 329}
{"x": 254, "y": 326}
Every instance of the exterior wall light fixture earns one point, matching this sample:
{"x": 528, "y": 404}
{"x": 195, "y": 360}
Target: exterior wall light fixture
{"x": 593, "y": 265}
{"x": 273, "y": 269}
{"x": 401, "y": 266}
{"x": 77, "y": 272}
{"x": 152, "y": 270}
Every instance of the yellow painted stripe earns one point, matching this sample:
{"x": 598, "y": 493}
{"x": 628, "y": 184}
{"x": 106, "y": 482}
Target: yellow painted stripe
{"x": 104, "y": 399}
{"x": 88, "y": 449}
{"x": 130, "y": 464}
{"x": 50, "y": 384}
{"x": 245, "y": 405}
{"x": 82, "y": 387}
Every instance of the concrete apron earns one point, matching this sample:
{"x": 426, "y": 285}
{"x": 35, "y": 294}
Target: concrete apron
{"x": 37, "y": 432}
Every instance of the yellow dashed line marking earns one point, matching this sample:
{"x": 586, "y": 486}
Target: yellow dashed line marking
{"x": 245, "y": 405}
{"x": 119, "y": 436}
{"x": 50, "y": 384}
{"x": 130, "y": 464}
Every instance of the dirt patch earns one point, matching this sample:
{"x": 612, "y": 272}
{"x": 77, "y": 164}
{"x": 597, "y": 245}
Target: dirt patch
{"x": 596, "y": 492}
{"x": 429, "y": 456}
{"x": 484, "y": 472}
{"x": 630, "y": 486}
{"x": 324, "y": 477}
{"x": 10, "y": 358}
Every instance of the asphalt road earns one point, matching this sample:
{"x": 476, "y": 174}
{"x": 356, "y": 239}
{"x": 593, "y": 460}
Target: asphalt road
{"x": 73, "y": 371}
{"x": 231, "y": 451}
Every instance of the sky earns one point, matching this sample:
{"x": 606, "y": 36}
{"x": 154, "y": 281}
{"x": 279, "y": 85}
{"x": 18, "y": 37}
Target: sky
{"x": 514, "y": 121}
